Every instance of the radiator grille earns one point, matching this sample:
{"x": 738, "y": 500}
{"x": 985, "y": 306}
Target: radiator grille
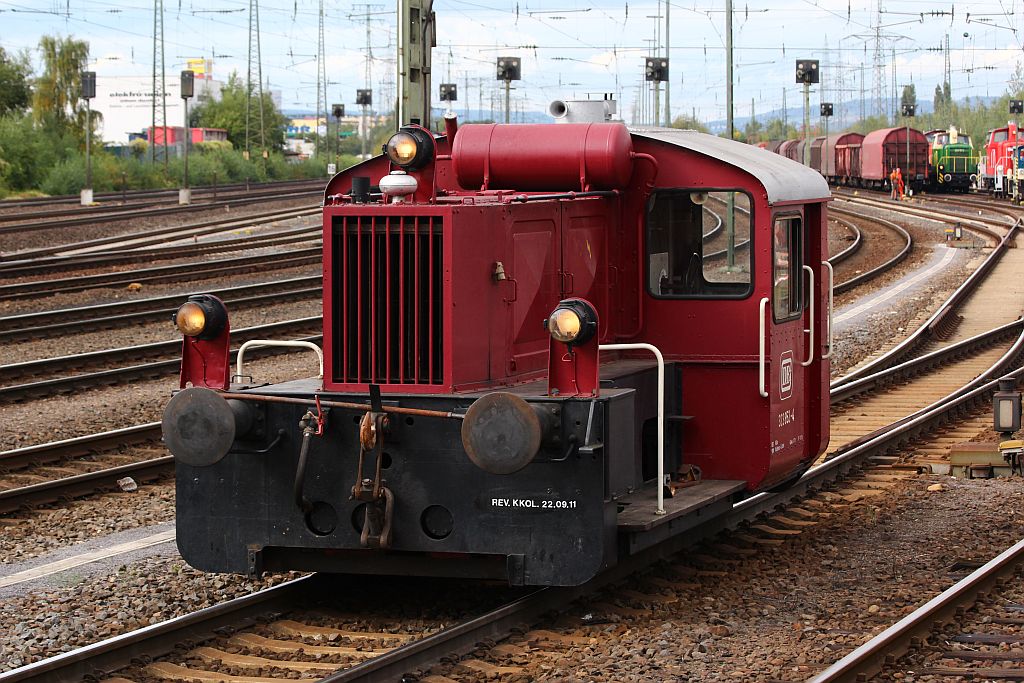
{"x": 387, "y": 296}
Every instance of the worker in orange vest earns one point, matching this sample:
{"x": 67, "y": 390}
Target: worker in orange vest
{"x": 892, "y": 184}
{"x": 900, "y": 194}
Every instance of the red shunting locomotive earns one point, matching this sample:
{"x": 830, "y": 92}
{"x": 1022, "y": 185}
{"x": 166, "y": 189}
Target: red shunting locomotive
{"x": 544, "y": 347}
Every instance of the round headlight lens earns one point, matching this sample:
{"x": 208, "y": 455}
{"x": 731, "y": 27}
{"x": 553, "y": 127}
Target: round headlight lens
{"x": 564, "y": 325}
{"x": 402, "y": 148}
{"x": 190, "y": 319}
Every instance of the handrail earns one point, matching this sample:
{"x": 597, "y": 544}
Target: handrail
{"x": 287, "y": 344}
{"x": 762, "y": 389}
{"x": 661, "y": 410}
{"x": 831, "y": 306}
{"x": 810, "y": 341}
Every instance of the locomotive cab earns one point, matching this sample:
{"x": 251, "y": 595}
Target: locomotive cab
{"x": 545, "y": 348}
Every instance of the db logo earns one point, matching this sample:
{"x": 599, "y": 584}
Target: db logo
{"x": 786, "y": 375}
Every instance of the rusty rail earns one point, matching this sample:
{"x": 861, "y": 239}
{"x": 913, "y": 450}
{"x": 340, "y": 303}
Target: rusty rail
{"x": 868, "y": 659}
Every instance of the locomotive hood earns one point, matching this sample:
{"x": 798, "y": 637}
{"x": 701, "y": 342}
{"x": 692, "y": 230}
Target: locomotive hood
{"x": 784, "y": 180}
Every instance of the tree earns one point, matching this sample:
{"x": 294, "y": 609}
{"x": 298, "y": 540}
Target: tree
{"x": 56, "y": 99}
{"x": 909, "y": 96}
{"x": 14, "y": 91}
{"x": 753, "y": 131}
{"x": 777, "y": 130}
{"x": 229, "y": 113}
{"x": 689, "y": 123}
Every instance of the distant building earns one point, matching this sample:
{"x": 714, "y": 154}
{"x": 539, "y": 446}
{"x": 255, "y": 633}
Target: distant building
{"x": 172, "y": 135}
{"x": 126, "y": 103}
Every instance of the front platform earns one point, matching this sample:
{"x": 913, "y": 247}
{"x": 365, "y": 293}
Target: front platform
{"x": 640, "y": 527}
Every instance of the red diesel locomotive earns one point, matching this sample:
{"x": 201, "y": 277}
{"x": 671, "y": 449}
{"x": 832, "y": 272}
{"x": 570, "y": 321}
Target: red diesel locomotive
{"x": 545, "y": 347}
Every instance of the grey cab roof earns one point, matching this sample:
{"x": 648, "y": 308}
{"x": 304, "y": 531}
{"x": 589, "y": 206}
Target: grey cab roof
{"x": 783, "y": 179}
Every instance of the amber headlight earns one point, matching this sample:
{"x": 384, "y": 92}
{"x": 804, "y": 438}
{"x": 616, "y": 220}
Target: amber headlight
{"x": 203, "y": 316}
{"x": 410, "y": 148}
{"x": 190, "y": 319}
{"x": 573, "y": 321}
{"x": 401, "y": 148}
{"x": 564, "y": 325}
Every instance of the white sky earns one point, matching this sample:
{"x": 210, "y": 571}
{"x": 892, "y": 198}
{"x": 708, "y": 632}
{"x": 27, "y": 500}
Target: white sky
{"x": 569, "y": 48}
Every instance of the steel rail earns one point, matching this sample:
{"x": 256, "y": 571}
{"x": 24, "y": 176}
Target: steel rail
{"x": 858, "y": 280}
{"x": 198, "y": 197}
{"x": 48, "y": 367}
{"x": 171, "y": 194}
{"x": 290, "y": 237}
{"x": 973, "y": 223}
{"x": 96, "y": 660}
{"x": 34, "y": 319}
{"x": 162, "y": 368}
{"x": 168, "y": 273}
{"x": 929, "y": 328}
{"x": 148, "y": 213}
{"x": 870, "y": 658}
{"x": 79, "y": 485}
{"x": 151, "y": 236}
{"x": 20, "y": 458}
{"x": 938, "y": 358}
{"x": 855, "y": 245}
{"x": 155, "y": 314}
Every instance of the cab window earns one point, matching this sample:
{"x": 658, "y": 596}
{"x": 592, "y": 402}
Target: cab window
{"x": 698, "y": 244}
{"x": 787, "y": 271}
{"x": 1000, "y": 136}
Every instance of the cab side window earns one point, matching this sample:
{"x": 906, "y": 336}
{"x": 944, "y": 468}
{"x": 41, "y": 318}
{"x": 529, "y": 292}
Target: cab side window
{"x": 698, "y": 244}
{"x": 787, "y": 271}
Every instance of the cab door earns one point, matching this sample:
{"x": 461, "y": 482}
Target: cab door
{"x": 791, "y": 322}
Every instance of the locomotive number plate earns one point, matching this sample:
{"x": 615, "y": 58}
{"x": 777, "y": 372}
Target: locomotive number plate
{"x": 532, "y": 503}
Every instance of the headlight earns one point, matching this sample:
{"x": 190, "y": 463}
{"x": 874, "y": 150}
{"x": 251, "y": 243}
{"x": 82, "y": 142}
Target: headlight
{"x": 401, "y": 148}
{"x": 574, "y": 321}
{"x": 564, "y": 325}
{"x": 190, "y": 319}
{"x": 410, "y": 148}
{"x": 202, "y": 316}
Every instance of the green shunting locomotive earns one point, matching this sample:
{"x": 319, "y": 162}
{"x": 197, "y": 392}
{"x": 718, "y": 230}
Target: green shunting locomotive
{"x": 953, "y": 160}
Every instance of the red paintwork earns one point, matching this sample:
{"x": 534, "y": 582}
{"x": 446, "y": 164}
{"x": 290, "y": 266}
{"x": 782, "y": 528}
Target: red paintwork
{"x": 816, "y": 151}
{"x": 843, "y": 157}
{"x": 206, "y": 362}
{"x": 575, "y": 371}
{"x": 491, "y": 331}
{"x": 788, "y": 149}
{"x": 886, "y": 149}
{"x": 573, "y": 156}
{"x": 998, "y": 153}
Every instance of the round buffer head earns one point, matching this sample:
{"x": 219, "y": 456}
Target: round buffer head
{"x": 198, "y": 427}
{"x": 501, "y": 433}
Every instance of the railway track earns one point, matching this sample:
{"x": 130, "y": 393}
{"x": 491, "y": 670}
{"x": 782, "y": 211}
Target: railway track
{"x": 78, "y": 253}
{"x": 872, "y": 273}
{"x": 168, "y": 273}
{"x": 55, "y": 371}
{"x": 972, "y": 651}
{"x": 136, "y": 213}
{"x": 42, "y": 324}
{"x": 198, "y": 191}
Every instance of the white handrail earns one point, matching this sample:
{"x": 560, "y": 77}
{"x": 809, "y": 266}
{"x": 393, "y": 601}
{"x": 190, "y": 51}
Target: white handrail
{"x": 661, "y": 411}
{"x": 287, "y": 344}
{"x": 831, "y": 305}
{"x": 762, "y": 389}
{"x": 810, "y": 341}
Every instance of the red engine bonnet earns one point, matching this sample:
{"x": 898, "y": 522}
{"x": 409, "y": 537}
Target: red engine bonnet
{"x": 540, "y": 157}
